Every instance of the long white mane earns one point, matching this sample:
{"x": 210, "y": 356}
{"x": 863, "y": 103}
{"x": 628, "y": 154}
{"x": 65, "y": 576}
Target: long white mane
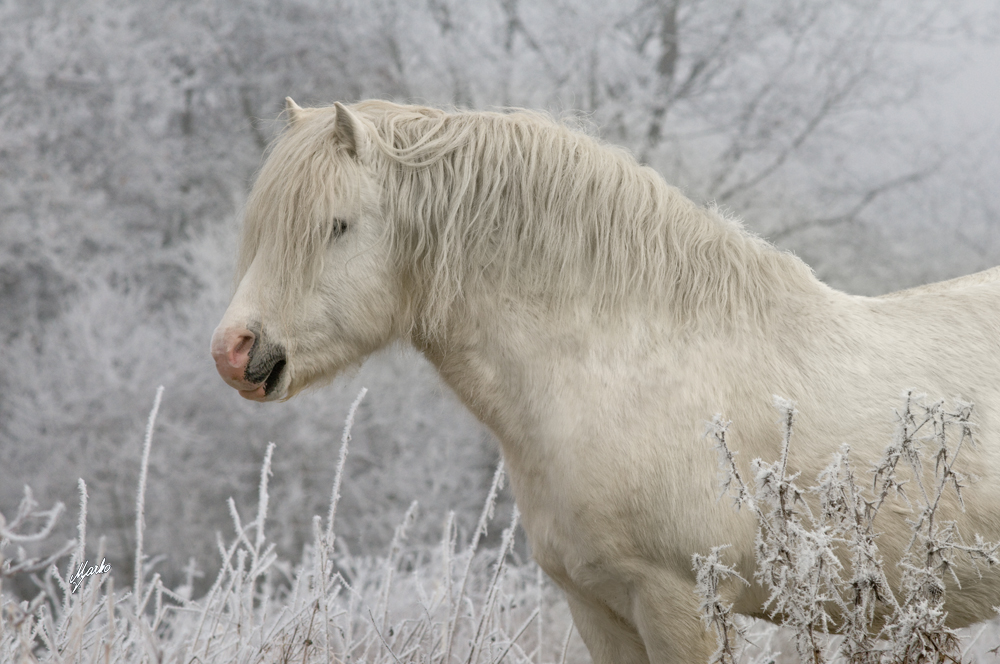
{"x": 521, "y": 204}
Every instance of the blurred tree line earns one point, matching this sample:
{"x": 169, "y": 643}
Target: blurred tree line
{"x": 130, "y": 132}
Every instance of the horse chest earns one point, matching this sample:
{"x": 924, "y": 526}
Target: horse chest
{"x": 575, "y": 542}
{"x": 592, "y": 510}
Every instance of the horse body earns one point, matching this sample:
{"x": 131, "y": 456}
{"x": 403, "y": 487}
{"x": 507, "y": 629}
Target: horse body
{"x": 596, "y": 360}
{"x": 602, "y": 426}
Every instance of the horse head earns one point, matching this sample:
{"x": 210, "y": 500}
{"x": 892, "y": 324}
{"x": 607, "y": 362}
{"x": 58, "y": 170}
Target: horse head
{"x": 316, "y": 289}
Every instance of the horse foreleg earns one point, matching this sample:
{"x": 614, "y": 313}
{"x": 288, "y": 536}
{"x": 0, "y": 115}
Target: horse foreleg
{"x": 666, "y": 614}
{"x": 608, "y": 637}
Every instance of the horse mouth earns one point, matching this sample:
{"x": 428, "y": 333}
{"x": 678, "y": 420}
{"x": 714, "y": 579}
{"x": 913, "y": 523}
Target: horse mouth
{"x": 272, "y": 378}
{"x": 265, "y": 389}
{"x": 266, "y": 363}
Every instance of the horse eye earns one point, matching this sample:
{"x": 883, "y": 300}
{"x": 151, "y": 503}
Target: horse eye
{"x": 339, "y": 228}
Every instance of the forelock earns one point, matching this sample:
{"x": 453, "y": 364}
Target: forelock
{"x": 305, "y": 179}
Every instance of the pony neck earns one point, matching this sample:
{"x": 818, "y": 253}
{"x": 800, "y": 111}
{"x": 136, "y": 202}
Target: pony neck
{"x": 713, "y": 276}
{"x": 515, "y": 359}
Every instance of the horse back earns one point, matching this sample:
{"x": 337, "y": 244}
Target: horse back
{"x": 992, "y": 275}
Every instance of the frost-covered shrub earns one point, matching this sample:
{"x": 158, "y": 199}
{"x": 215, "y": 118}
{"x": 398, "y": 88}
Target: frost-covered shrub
{"x": 799, "y": 551}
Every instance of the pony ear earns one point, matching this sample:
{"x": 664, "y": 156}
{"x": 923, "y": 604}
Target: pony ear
{"x": 293, "y": 110}
{"x": 348, "y": 131}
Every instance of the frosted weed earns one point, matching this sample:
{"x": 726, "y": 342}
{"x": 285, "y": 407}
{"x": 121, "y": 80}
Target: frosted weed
{"x": 801, "y": 555}
{"x": 449, "y": 604}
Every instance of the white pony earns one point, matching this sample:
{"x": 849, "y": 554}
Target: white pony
{"x": 595, "y": 319}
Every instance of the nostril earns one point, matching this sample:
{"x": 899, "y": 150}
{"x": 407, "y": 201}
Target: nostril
{"x": 244, "y": 344}
{"x": 241, "y": 347}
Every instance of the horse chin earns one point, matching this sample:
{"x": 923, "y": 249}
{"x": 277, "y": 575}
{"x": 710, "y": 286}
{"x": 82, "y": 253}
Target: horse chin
{"x": 258, "y": 394}
{"x": 284, "y": 382}
{"x": 314, "y": 375}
